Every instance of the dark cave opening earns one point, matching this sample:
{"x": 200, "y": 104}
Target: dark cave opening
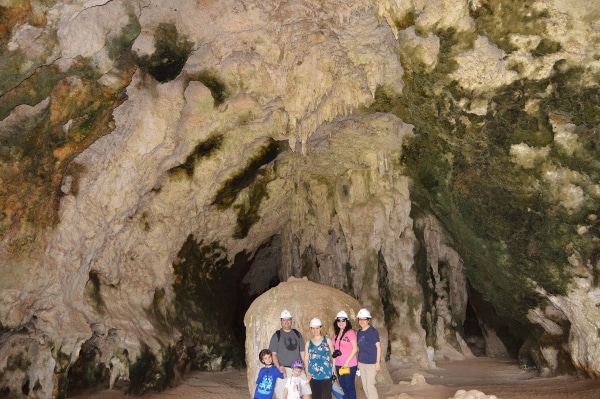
{"x": 501, "y": 336}
{"x": 473, "y": 334}
{"x": 261, "y": 274}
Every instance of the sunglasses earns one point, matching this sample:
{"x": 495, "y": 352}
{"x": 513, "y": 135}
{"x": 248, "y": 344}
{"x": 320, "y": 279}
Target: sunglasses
{"x": 341, "y": 320}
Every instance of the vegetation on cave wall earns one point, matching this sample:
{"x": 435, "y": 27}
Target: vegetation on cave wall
{"x": 85, "y": 371}
{"x": 171, "y": 53}
{"x": 149, "y": 372}
{"x": 248, "y": 211}
{"x": 211, "y": 79}
{"x": 511, "y": 236}
{"x": 232, "y": 187}
{"x": 37, "y": 154}
{"x": 92, "y": 292}
{"x": 61, "y": 370}
{"x": 499, "y": 19}
{"x": 152, "y": 372}
{"x": 254, "y": 176}
{"x": 202, "y": 150}
{"x": 16, "y": 65}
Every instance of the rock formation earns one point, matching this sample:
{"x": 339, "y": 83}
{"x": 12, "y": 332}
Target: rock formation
{"x": 162, "y": 164}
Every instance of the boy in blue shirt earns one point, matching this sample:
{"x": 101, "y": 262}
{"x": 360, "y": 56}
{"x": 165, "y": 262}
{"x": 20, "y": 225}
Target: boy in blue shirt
{"x": 265, "y": 382}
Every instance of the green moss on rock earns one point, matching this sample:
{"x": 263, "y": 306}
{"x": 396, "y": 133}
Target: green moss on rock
{"x": 580, "y": 104}
{"x": 18, "y": 362}
{"x": 146, "y": 374}
{"x": 200, "y": 274}
{"x": 171, "y": 53}
{"x": 42, "y": 149}
{"x": 499, "y": 19}
{"x": 61, "y": 369}
{"x": 241, "y": 180}
{"x": 92, "y": 292}
{"x": 218, "y": 89}
{"x": 117, "y": 45}
{"x": 421, "y": 267}
{"x": 17, "y": 66}
{"x": 202, "y": 150}
{"x": 405, "y": 21}
{"x": 508, "y": 229}
{"x": 87, "y": 371}
{"x": 545, "y": 47}
{"x": 32, "y": 90}
{"x": 248, "y": 211}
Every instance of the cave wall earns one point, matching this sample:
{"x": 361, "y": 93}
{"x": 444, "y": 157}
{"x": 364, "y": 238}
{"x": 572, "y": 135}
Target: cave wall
{"x": 397, "y": 151}
{"x": 490, "y": 159}
{"x": 351, "y": 227}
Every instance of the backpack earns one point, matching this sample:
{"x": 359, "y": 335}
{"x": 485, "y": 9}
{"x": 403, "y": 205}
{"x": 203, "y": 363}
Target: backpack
{"x": 278, "y": 332}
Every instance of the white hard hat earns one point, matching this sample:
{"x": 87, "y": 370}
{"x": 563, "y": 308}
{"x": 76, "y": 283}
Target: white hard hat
{"x": 315, "y": 323}
{"x": 341, "y": 315}
{"x": 285, "y": 314}
{"x": 363, "y": 314}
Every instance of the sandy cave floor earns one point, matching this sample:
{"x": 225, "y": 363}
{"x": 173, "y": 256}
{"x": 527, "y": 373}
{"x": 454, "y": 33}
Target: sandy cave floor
{"x": 499, "y": 377}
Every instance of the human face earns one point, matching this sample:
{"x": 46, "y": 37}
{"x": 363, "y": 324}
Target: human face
{"x": 296, "y": 371}
{"x": 363, "y": 323}
{"x": 315, "y": 331}
{"x": 267, "y": 359}
{"x": 286, "y": 324}
{"x": 341, "y": 321}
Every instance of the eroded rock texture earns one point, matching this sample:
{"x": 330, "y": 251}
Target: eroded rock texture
{"x": 162, "y": 164}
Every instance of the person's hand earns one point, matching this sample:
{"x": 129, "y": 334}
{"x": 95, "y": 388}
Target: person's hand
{"x": 377, "y": 367}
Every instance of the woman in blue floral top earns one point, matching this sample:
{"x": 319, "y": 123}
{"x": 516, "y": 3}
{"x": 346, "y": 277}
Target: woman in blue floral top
{"x": 319, "y": 363}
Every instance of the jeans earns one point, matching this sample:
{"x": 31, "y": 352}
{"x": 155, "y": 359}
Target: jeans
{"x": 348, "y": 382}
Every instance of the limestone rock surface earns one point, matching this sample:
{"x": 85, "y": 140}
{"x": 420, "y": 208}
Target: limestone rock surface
{"x": 434, "y": 160}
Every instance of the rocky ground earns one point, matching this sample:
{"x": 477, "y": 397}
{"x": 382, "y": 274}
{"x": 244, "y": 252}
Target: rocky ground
{"x": 501, "y": 378}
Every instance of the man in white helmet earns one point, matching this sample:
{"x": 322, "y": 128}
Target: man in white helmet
{"x": 287, "y": 345}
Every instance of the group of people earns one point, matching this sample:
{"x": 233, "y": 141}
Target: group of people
{"x": 295, "y": 369}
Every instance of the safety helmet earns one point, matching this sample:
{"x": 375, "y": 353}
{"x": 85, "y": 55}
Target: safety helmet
{"x": 315, "y": 322}
{"x": 363, "y": 314}
{"x": 297, "y": 363}
{"x": 341, "y": 315}
{"x": 285, "y": 314}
